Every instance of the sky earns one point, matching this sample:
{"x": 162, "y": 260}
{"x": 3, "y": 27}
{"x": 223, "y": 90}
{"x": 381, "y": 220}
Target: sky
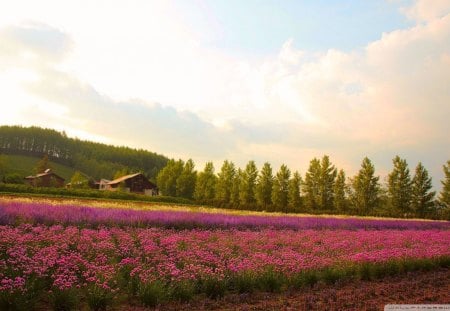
{"x": 262, "y": 80}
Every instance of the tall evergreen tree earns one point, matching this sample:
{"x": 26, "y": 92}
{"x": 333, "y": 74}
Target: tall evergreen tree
{"x": 340, "y": 199}
{"x": 225, "y": 182}
{"x": 327, "y": 178}
{"x": 365, "y": 188}
{"x": 264, "y": 186}
{"x": 399, "y": 186}
{"x": 236, "y": 188}
{"x": 248, "y": 185}
{"x": 422, "y": 196}
{"x": 206, "y": 184}
{"x": 185, "y": 184}
{"x": 444, "y": 196}
{"x": 311, "y": 185}
{"x": 280, "y": 189}
{"x": 294, "y": 199}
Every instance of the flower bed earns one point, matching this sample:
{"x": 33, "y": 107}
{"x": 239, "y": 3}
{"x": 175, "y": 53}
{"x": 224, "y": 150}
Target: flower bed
{"x": 18, "y": 212}
{"x": 104, "y": 263}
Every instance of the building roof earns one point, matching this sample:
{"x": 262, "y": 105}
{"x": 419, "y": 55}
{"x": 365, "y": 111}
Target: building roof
{"x": 46, "y": 173}
{"x": 123, "y": 178}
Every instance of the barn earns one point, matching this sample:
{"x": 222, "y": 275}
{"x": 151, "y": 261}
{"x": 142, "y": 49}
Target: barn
{"x": 136, "y": 183}
{"x": 46, "y": 179}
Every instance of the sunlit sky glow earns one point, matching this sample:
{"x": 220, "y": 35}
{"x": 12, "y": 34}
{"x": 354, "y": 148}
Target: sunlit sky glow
{"x": 211, "y": 80}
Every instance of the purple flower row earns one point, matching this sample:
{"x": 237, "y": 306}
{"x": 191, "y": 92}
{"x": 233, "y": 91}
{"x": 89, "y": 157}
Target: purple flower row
{"x": 19, "y": 212}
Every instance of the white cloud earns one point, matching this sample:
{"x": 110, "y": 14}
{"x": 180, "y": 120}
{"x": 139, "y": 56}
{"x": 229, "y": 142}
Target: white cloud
{"x": 388, "y": 98}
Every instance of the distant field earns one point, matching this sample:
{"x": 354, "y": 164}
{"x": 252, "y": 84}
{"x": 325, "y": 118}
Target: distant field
{"x": 24, "y": 166}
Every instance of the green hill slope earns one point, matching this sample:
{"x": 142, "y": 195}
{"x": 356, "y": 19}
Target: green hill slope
{"x": 94, "y": 159}
{"x": 24, "y": 165}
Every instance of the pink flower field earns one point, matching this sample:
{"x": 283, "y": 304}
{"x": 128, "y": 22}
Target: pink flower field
{"x": 58, "y": 265}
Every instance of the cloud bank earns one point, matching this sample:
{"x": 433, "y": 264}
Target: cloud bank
{"x": 389, "y": 97}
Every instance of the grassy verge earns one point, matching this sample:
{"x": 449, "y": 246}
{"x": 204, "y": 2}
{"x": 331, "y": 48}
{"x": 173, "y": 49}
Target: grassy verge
{"x": 156, "y": 293}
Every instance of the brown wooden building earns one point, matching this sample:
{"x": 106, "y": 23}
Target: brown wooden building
{"x": 136, "y": 183}
{"x": 46, "y": 179}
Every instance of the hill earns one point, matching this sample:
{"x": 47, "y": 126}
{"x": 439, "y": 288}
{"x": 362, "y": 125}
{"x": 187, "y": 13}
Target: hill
{"x": 24, "y": 166}
{"x": 94, "y": 159}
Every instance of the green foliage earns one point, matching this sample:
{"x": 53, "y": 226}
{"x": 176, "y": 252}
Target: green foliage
{"x": 248, "y": 185}
{"x": 270, "y": 281}
{"x": 422, "y": 196}
{"x": 236, "y": 188}
{"x": 13, "y": 178}
{"x": 311, "y": 185}
{"x": 88, "y": 193}
{"x": 264, "y": 186}
{"x": 225, "y": 182}
{"x": 167, "y": 177}
{"x": 294, "y": 199}
{"x": 185, "y": 183}
{"x": 96, "y": 159}
{"x": 244, "y": 282}
{"x": 444, "y": 196}
{"x": 365, "y": 195}
{"x": 79, "y": 181}
{"x": 340, "y": 189}
{"x": 98, "y": 298}
{"x": 399, "y": 187}
{"x": 206, "y": 184}
{"x": 42, "y": 165}
{"x": 280, "y": 190}
{"x": 182, "y": 291}
{"x": 65, "y": 300}
{"x": 212, "y": 287}
{"x": 120, "y": 173}
{"x": 327, "y": 179}
{"x": 152, "y": 294}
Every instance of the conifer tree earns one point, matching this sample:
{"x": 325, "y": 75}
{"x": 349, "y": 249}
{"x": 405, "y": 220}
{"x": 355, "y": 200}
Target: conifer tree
{"x": 444, "y": 197}
{"x": 225, "y": 182}
{"x": 236, "y": 188}
{"x": 280, "y": 189}
{"x": 264, "y": 186}
{"x": 399, "y": 186}
{"x": 294, "y": 199}
{"x": 365, "y": 188}
{"x": 422, "y": 196}
{"x": 248, "y": 185}
{"x": 327, "y": 178}
{"x": 340, "y": 199}
{"x": 311, "y": 185}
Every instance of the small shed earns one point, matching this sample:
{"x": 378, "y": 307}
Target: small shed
{"x": 46, "y": 179}
{"x": 136, "y": 183}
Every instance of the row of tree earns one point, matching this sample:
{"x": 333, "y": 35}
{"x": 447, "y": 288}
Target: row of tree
{"x": 324, "y": 188}
{"x": 95, "y": 159}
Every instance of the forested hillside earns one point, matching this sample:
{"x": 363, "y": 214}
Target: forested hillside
{"x": 95, "y": 159}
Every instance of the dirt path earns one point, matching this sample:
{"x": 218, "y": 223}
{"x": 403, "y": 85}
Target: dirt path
{"x": 412, "y": 288}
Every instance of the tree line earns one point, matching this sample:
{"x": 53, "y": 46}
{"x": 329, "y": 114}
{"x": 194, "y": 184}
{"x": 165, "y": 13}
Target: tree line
{"x": 323, "y": 188}
{"x": 94, "y": 159}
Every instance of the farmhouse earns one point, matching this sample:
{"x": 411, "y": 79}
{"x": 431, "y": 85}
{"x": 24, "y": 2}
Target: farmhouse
{"x": 136, "y": 183}
{"x": 46, "y": 179}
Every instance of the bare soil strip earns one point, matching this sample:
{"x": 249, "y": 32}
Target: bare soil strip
{"x": 431, "y": 287}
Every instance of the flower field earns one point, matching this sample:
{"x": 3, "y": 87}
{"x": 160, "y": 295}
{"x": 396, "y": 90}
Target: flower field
{"x": 64, "y": 256}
